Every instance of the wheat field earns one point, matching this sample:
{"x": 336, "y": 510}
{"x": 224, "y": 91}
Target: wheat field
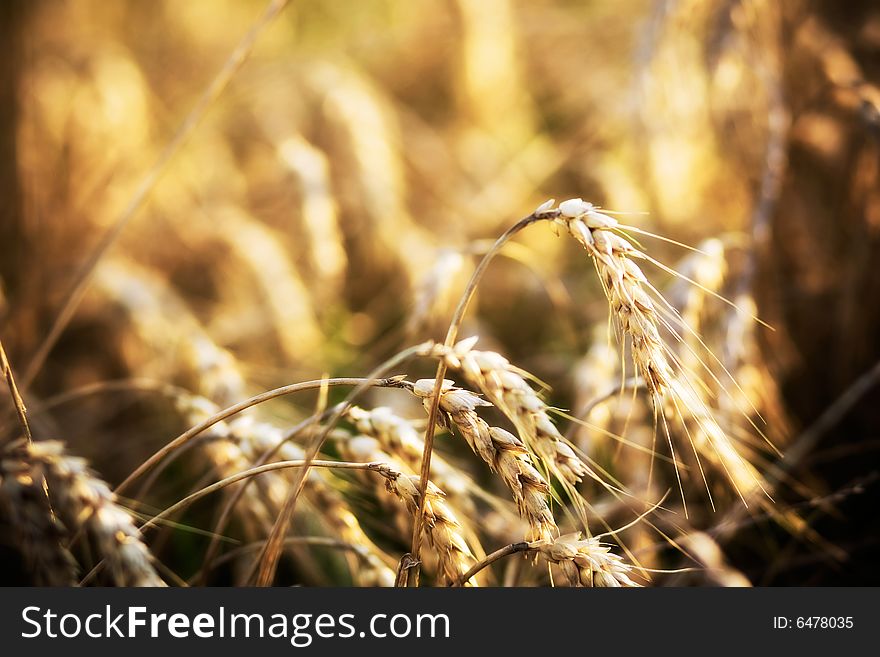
{"x": 442, "y": 293}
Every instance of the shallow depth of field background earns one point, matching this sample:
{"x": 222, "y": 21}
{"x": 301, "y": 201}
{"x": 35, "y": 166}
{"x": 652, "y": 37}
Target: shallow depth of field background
{"x": 327, "y": 212}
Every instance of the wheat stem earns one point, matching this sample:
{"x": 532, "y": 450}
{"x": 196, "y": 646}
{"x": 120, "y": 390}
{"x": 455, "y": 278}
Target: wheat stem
{"x": 319, "y": 541}
{"x": 489, "y": 559}
{"x": 149, "y": 181}
{"x": 226, "y": 513}
{"x": 268, "y": 561}
{"x": 20, "y": 408}
{"x": 191, "y": 433}
{"x": 260, "y": 469}
{"x": 451, "y": 334}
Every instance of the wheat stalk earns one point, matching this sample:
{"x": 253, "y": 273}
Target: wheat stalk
{"x": 237, "y": 445}
{"x": 18, "y": 402}
{"x": 593, "y": 375}
{"x": 256, "y": 438}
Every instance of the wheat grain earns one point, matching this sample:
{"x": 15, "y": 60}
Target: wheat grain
{"x": 593, "y": 375}
{"x": 180, "y": 347}
{"x": 717, "y": 569}
{"x": 259, "y": 251}
{"x": 432, "y": 292}
{"x": 358, "y": 114}
{"x": 324, "y": 241}
{"x": 703, "y": 274}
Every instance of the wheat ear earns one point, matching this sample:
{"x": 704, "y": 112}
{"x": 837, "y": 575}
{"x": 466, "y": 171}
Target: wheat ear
{"x": 442, "y": 527}
{"x": 506, "y": 387}
{"x": 399, "y": 436}
{"x": 638, "y": 318}
{"x": 84, "y": 502}
{"x": 36, "y": 530}
{"x": 624, "y": 284}
{"x": 501, "y": 450}
{"x": 587, "y": 562}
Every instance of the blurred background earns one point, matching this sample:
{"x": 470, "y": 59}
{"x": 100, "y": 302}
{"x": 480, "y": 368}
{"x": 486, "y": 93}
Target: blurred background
{"x": 328, "y": 209}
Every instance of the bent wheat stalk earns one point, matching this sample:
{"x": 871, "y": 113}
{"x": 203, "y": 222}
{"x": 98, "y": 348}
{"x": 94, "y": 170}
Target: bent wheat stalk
{"x": 543, "y": 212}
{"x": 268, "y": 561}
{"x": 191, "y": 433}
{"x": 626, "y": 289}
{"x": 83, "y": 277}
